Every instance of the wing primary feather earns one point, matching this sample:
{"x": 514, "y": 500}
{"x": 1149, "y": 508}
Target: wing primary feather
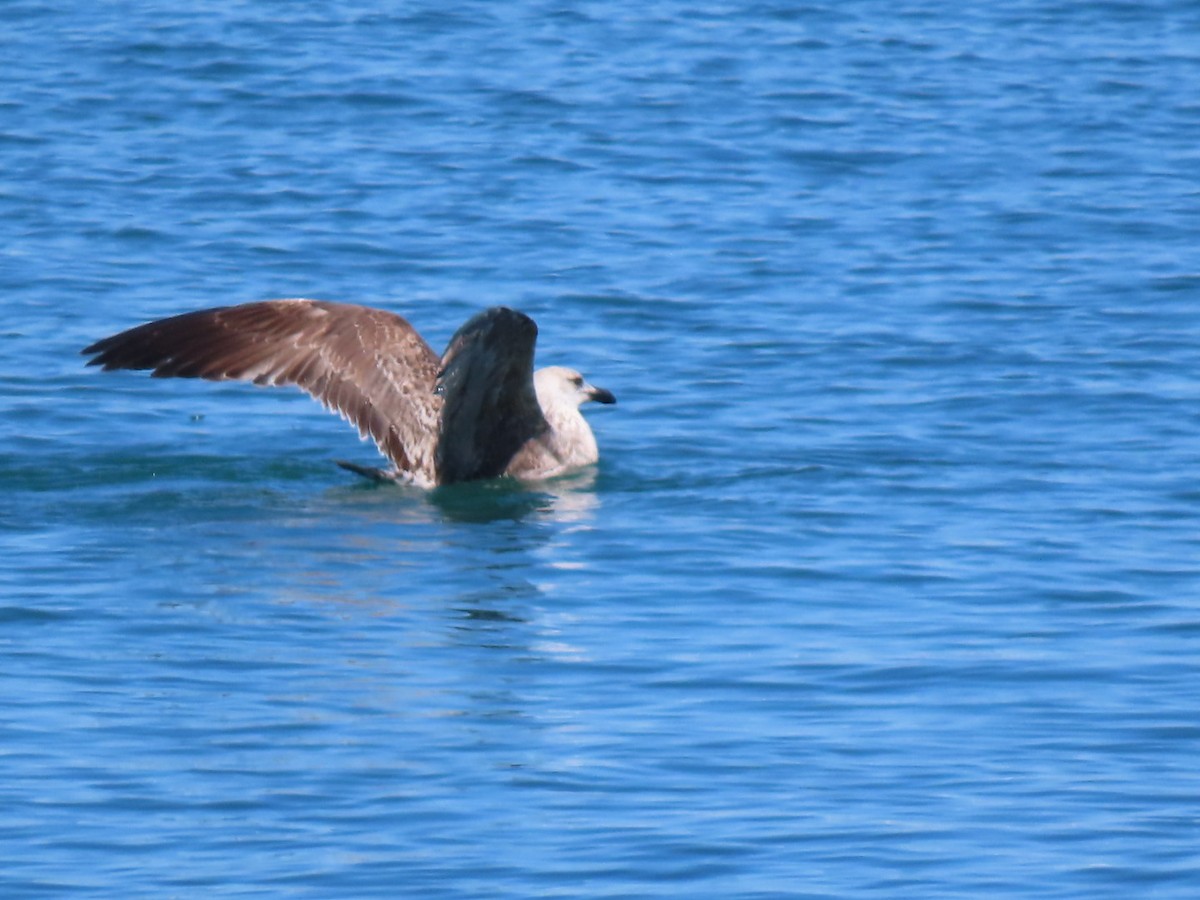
{"x": 367, "y": 364}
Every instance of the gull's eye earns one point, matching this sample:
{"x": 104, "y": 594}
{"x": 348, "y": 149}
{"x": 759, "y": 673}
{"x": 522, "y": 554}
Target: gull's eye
{"x": 577, "y": 381}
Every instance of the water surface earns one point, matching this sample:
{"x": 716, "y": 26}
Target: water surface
{"x": 886, "y": 584}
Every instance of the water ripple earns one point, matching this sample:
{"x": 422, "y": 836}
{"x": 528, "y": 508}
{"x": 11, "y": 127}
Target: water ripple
{"x": 883, "y": 585}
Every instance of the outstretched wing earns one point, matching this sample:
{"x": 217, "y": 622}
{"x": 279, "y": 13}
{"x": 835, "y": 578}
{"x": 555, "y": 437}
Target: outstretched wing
{"x": 367, "y": 364}
{"x": 489, "y": 407}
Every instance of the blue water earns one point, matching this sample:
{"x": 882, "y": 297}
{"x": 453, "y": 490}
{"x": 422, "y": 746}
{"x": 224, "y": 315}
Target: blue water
{"x": 887, "y": 584}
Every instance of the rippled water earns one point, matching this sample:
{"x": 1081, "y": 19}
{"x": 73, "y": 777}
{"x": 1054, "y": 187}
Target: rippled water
{"x": 886, "y": 584}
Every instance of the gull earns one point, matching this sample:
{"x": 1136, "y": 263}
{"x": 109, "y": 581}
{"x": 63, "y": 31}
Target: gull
{"x": 478, "y": 411}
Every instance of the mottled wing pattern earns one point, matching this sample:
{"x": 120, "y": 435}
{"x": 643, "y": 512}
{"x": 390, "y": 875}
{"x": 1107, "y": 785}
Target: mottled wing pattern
{"x": 367, "y": 364}
{"x": 489, "y": 406}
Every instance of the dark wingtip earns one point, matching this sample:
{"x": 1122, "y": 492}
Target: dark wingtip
{"x": 104, "y": 353}
{"x": 506, "y": 317}
{"x": 495, "y": 320}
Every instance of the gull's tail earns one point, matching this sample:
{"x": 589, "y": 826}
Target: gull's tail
{"x": 369, "y": 472}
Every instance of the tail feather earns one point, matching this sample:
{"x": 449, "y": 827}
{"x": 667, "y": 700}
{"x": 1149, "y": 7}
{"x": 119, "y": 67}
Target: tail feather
{"x": 370, "y": 472}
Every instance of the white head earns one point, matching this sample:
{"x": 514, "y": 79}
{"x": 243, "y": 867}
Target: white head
{"x": 558, "y": 387}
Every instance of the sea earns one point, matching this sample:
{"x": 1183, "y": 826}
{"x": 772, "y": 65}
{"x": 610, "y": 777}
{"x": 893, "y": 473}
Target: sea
{"x": 886, "y": 585}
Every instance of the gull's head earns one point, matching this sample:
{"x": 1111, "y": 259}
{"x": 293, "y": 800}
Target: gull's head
{"x": 559, "y": 386}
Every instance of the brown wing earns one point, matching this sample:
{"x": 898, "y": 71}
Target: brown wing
{"x": 367, "y": 364}
{"x": 490, "y": 407}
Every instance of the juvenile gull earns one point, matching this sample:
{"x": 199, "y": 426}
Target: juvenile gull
{"x": 480, "y": 411}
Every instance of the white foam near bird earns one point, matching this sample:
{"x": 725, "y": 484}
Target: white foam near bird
{"x": 477, "y": 411}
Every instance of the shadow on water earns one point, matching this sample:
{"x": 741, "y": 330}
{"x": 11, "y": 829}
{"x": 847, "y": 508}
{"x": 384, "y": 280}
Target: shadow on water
{"x": 485, "y": 549}
{"x": 476, "y": 555}
{"x": 567, "y": 499}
